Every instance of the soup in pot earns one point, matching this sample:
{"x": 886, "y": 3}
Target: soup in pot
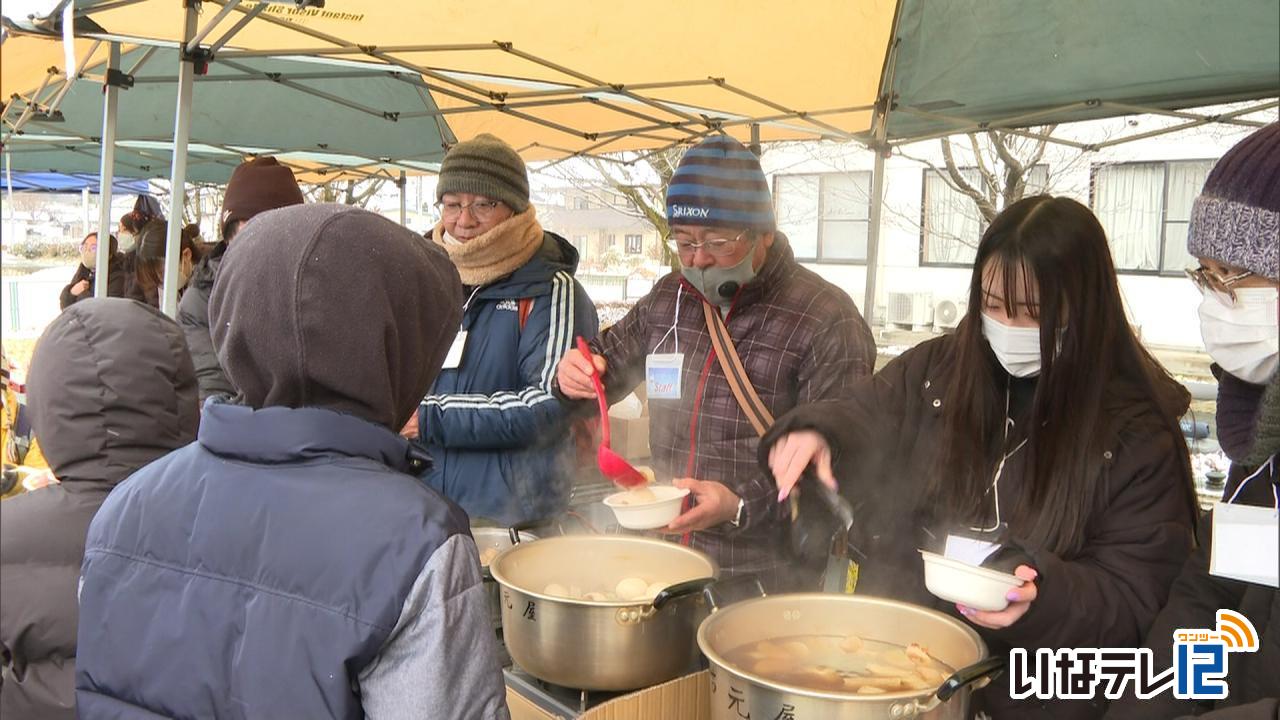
{"x": 833, "y": 663}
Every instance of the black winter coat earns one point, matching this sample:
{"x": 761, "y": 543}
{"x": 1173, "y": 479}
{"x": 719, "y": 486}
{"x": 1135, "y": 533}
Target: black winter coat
{"x": 117, "y": 283}
{"x": 193, "y": 316}
{"x": 885, "y": 442}
{"x": 1253, "y": 678}
{"x": 111, "y": 389}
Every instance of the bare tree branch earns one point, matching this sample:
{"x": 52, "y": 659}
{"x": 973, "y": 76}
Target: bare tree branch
{"x": 1014, "y": 169}
{"x": 1038, "y": 154}
{"x": 646, "y": 200}
{"x": 984, "y": 205}
{"x": 988, "y": 176}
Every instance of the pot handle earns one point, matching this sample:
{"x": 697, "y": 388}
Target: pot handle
{"x": 983, "y": 671}
{"x": 836, "y": 504}
{"x": 722, "y": 592}
{"x": 514, "y": 531}
{"x": 679, "y": 590}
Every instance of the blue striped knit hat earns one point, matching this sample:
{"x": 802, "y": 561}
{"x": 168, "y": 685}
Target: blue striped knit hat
{"x": 719, "y": 183}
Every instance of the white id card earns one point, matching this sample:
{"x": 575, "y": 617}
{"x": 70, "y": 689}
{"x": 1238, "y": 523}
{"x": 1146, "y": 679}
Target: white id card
{"x": 662, "y": 375}
{"x": 1246, "y": 544}
{"x": 454, "y": 358}
{"x": 968, "y": 550}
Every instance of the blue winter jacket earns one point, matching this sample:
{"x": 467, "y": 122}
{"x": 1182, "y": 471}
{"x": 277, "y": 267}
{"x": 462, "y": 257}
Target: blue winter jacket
{"x": 285, "y": 565}
{"x": 499, "y": 439}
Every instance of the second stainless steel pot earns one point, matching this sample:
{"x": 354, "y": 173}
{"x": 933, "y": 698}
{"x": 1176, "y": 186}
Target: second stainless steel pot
{"x": 737, "y": 692}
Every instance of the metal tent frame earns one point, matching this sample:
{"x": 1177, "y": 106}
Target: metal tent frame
{"x": 664, "y": 124}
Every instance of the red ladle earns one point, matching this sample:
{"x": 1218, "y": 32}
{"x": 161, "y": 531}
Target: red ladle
{"x": 611, "y": 464}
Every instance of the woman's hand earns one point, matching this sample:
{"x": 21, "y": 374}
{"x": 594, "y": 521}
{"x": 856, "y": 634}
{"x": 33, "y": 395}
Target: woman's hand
{"x": 793, "y": 453}
{"x": 1020, "y": 599}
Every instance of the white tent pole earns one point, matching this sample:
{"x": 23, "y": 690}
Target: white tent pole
{"x": 245, "y": 19}
{"x": 73, "y": 76}
{"x": 178, "y": 177}
{"x": 880, "y": 131}
{"x": 404, "y": 210}
{"x": 31, "y": 104}
{"x": 222, "y": 14}
{"x": 107, "y": 172}
{"x": 873, "y": 236}
{"x": 8, "y": 176}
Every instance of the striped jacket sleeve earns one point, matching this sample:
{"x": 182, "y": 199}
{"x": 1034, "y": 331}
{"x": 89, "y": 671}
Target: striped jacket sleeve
{"x": 530, "y": 415}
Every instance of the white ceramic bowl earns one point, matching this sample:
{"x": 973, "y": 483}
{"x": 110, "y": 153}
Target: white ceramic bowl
{"x": 647, "y": 516}
{"x": 977, "y": 587}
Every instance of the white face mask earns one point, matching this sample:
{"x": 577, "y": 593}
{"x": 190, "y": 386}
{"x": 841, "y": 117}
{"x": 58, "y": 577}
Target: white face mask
{"x": 1017, "y": 349}
{"x": 126, "y": 241}
{"x": 1245, "y": 339}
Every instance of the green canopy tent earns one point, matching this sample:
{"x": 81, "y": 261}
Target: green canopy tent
{"x": 325, "y": 117}
{"x": 558, "y": 79}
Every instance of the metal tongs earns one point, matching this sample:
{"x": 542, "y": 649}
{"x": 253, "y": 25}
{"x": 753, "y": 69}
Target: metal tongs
{"x": 835, "y": 578}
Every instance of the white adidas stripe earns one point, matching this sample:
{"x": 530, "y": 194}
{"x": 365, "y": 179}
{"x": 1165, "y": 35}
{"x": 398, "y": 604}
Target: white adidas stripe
{"x": 559, "y": 338}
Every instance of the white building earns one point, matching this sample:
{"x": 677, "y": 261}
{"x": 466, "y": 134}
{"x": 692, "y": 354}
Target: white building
{"x": 1141, "y": 191}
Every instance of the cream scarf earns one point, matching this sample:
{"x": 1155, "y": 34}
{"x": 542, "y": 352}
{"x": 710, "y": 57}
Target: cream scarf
{"x": 497, "y": 253}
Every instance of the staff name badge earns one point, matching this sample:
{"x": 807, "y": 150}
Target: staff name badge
{"x": 662, "y": 375}
{"x": 1246, "y": 544}
{"x": 969, "y": 550}
{"x": 454, "y": 359}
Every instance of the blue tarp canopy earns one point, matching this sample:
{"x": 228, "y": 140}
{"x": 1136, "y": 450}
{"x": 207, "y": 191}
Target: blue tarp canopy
{"x": 69, "y": 183}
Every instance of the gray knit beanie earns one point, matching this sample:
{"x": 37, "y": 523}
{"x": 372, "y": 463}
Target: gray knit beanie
{"x": 1236, "y": 218}
{"x": 485, "y": 165}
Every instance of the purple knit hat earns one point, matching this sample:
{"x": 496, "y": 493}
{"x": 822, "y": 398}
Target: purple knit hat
{"x": 1236, "y": 218}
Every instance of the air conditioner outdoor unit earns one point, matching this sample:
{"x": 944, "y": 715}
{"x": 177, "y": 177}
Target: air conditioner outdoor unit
{"x": 913, "y": 309}
{"x": 947, "y": 313}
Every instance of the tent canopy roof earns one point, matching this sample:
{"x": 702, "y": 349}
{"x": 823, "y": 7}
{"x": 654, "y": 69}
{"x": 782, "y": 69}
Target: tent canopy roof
{"x": 241, "y": 107}
{"x": 1040, "y": 62}
{"x": 559, "y": 78}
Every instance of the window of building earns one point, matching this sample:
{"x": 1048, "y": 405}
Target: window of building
{"x": 581, "y": 203}
{"x": 1145, "y": 208}
{"x": 825, "y": 216}
{"x": 950, "y": 223}
{"x": 635, "y": 244}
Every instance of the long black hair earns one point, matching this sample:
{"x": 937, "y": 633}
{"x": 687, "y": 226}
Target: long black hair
{"x": 1088, "y": 355}
{"x": 148, "y": 269}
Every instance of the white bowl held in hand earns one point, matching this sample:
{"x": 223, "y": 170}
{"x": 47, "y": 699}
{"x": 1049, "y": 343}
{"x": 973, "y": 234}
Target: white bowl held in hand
{"x": 647, "y": 515}
{"x": 976, "y": 587}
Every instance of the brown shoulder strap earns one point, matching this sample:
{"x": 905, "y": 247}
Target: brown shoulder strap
{"x": 751, "y": 404}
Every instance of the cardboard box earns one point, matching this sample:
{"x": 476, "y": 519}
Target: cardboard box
{"x": 686, "y": 698}
{"x": 630, "y": 437}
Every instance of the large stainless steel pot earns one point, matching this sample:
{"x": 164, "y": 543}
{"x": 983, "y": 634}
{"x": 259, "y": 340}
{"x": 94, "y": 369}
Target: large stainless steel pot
{"x": 498, "y": 539}
{"x": 602, "y": 645}
{"x": 737, "y": 693}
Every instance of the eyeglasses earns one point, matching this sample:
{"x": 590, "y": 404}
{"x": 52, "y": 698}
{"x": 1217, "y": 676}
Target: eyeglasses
{"x": 481, "y": 210}
{"x": 1207, "y": 280}
{"x": 719, "y": 247}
